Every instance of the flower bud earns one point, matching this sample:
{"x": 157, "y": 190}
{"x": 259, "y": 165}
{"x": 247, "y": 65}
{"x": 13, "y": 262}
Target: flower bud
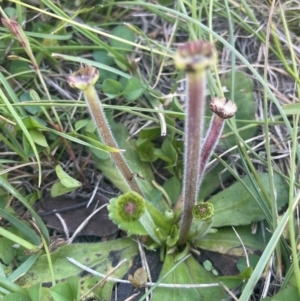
{"x": 84, "y": 78}
{"x": 203, "y": 217}
{"x": 223, "y": 107}
{"x": 131, "y": 206}
{"x": 195, "y": 56}
{"x": 169, "y": 214}
{"x": 203, "y": 211}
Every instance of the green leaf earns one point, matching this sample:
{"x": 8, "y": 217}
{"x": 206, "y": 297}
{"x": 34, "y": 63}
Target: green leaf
{"x": 177, "y": 107}
{"x": 101, "y": 154}
{"x": 7, "y": 253}
{"x": 21, "y": 225}
{"x": 10, "y": 189}
{"x": 159, "y": 153}
{"x": 74, "y": 285}
{"x": 212, "y": 180}
{"x": 34, "y": 95}
{"x": 188, "y": 272}
{"x": 58, "y": 189}
{"x": 169, "y": 150}
{"x": 23, "y": 268}
{"x": 234, "y": 281}
{"x": 38, "y": 138}
{"x": 102, "y": 56}
{"x": 133, "y": 89}
{"x": 121, "y": 65}
{"x": 101, "y": 257}
{"x": 34, "y": 292}
{"x": 10, "y": 11}
{"x": 65, "y": 179}
{"x": 79, "y": 124}
{"x": 236, "y": 206}
{"x": 225, "y": 241}
{"x": 125, "y": 34}
{"x": 290, "y": 293}
{"x": 16, "y": 297}
{"x": 145, "y": 146}
{"x": 291, "y": 109}
{"x": 146, "y": 152}
{"x": 12, "y": 287}
{"x": 26, "y": 145}
{"x": 147, "y": 135}
{"x": 173, "y": 188}
{"x": 31, "y": 109}
{"x": 20, "y": 69}
{"x": 33, "y": 122}
{"x": 111, "y": 88}
{"x": 245, "y": 101}
{"x": 62, "y": 292}
{"x": 66, "y": 184}
{"x": 242, "y": 263}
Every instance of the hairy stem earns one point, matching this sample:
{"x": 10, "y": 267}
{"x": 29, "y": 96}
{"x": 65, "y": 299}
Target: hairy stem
{"x": 223, "y": 108}
{"x": 193, "y": 57}
{"x": 84, "y": 79}
{"x": 193, "y": 129}
{"x": 105, "y": 133}
{"x": 211, "y": 140}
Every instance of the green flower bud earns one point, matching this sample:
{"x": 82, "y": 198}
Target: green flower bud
{"x": 202, "y": 222}
{"x": 169, "y": 214}
{"x": 203, "y": 211}
{"x": 126, "y": 210}
{"x": 131, "y": 206}
{"x": 133, "y": 214}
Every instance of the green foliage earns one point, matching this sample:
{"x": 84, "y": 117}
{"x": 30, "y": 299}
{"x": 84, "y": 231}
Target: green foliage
{"x": 173, "y": 188}
{"x": 16, "y": 297}
{"x": 20, "y": 69}
{"x": 124, "y": 33}
{"x": 111, "y": 88}
{"x": 133, "y": 89}
{"x": 225, "y": 241}
{"x": 190, "y": 271}
{"x": 66, "y": 183}
{"x": 37, "y": 131}
{"x": 243, "y": 262}
{"x": 66, "y": 291}
{"x": 106, "y": 58}
{"x": 99, "y": 257}
{"x": 6, "y": 253}
{"x": 236, "y": 206}
{"x": 290, "y": 293}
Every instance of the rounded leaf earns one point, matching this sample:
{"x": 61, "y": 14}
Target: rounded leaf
{"x": 125, "y": 34}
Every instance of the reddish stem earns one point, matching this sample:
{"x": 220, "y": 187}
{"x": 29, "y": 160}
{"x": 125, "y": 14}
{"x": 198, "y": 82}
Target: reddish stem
{"x": 193, "y": 130}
